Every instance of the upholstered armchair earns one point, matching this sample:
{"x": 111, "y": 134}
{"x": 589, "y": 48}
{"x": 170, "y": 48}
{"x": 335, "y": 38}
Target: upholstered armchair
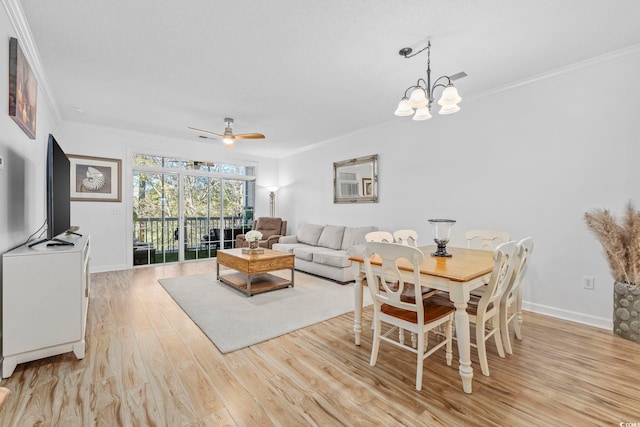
{"x": 272, "y": 229}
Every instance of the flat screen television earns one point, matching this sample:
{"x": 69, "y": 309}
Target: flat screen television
{"x": 58, "y": 190}
{"x": 58, "y": 173}
{"x": 58, "y": 193}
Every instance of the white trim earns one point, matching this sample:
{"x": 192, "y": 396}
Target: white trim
{"x": 30, "y": 51}
{"x": 624, "y": 53}
{"x": 338, "y": 138}
{"x": 573, "y": 316}
{"x": 106, "y": 268}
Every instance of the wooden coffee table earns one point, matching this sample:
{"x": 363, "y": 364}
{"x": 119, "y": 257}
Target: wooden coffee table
{"x": 252, "y": 275}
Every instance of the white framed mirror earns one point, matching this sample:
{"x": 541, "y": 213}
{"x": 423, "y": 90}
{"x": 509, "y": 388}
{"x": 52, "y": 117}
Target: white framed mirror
{"x": 356, "y": 180}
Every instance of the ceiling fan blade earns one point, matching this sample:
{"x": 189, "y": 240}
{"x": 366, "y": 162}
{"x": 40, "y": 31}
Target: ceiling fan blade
{"x": 249, "y": 136}
{"x": 458, "y": 76}
{"x": 206, "y": 131}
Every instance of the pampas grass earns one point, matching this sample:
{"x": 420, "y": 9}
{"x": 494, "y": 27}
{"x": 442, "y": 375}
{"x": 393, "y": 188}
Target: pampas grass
{"x": 620, "y": 241}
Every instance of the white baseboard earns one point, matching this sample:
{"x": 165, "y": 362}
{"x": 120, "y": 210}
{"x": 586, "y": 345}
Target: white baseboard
{"x": 573, "y": 316}
{"x": 105, "y": 268}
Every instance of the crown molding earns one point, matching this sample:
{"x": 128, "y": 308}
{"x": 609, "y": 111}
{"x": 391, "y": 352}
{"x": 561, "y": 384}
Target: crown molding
{"x": 616, "y": 55}
{"x": 30, "y": 51}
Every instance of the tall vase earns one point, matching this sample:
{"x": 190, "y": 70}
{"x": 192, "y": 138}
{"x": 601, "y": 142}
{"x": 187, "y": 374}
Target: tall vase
{"x": 626, "y": 311}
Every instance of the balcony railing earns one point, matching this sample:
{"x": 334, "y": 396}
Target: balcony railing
{"x": 201, "y": 235}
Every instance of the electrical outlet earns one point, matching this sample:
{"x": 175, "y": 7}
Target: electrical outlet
{"x": 588, "y": 283}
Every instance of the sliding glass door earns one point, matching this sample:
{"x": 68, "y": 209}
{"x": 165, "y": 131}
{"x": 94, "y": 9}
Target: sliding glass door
{"x": 188, "y": 214}
{"x": 156, "y": 204}
{"x": 201, "y": 216}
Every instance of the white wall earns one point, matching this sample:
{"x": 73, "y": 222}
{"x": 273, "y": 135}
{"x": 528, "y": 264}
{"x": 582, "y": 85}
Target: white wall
{"x": 22, "y": 181}
{"x": 529, "y": 160}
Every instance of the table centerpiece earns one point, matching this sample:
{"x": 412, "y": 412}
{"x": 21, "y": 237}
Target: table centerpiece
{"x": 253, "y": 237}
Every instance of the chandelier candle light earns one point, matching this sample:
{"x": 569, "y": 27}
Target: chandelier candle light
{"x": 417, "y": 99}
{"x": 441, "y": 232}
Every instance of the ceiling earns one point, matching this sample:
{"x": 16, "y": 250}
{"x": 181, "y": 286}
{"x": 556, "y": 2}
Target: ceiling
{"x": 301, "y": 72}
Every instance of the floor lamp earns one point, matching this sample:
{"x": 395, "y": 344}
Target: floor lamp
{"x": 272, "y": 201}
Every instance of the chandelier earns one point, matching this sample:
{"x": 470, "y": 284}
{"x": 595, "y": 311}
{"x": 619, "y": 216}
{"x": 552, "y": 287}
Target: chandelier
{"x": 417, "y": 99}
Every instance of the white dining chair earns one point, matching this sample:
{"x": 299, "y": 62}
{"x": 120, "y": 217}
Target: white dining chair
{"x": 379, "y": 236}
{"x": 410, "y": 238}
{"x": 511, "y": 302}
{"x": 406, "y": 237}
{"x": 484, "y": 311}
{"x": 487, "y": 240}
{"x": 385, "y": 237}
{"x": 397, "y": 312}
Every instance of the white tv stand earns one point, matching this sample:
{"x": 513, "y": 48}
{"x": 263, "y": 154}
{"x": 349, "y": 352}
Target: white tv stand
{"x": 45, "y": 297}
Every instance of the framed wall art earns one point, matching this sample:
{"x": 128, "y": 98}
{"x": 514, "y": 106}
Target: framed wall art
{"x": 23, "y": 90}
{"x": 367, "y": 187}
{"x": 95, "y": 179}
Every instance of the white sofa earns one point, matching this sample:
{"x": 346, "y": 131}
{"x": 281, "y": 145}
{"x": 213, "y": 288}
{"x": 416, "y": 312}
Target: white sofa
{"x": 322, "y": 249}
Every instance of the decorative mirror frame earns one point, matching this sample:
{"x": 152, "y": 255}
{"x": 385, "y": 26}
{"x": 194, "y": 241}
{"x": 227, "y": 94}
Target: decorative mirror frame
{"x": 359, "y": 188}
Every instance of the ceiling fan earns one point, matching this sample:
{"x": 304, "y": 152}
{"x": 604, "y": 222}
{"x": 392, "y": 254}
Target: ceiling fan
{"x": 228, "y": 137}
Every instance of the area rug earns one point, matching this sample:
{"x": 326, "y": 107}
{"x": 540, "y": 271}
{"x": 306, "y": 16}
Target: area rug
{"x": 233, "y": 321}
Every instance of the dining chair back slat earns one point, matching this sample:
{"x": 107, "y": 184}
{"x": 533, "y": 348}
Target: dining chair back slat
{"x": 486, "y": 240}
{"x": 406, "y": 237}
{"x": 379, "y": 236}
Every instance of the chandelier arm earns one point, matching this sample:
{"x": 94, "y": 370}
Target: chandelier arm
{"x": 435, "y": 84}
{"x": 438, "y": 85}
{"x": 407, "y": 91}
{"x": 417, "y": 85}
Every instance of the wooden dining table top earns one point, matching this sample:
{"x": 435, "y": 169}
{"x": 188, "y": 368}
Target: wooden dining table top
{"x": 464, "y": 264}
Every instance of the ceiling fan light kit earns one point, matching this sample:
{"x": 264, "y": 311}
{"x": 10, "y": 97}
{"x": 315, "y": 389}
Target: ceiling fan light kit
{"x": 228, "y": 138}
{"x": 417, "y": 99}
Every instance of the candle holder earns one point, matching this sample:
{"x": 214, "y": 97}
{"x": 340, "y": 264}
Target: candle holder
{"x": 441, "y": 229}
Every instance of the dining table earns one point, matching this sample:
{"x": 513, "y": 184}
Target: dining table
{"x": 459, "y": 274}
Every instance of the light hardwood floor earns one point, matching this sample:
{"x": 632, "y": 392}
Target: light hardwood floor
{"x": 147, "y": 364}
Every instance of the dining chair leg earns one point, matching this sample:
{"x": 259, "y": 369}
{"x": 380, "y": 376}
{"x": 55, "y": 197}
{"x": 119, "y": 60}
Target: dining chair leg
{"x": 414, "y": 342}
{"x": 498, "y": 336}
{"x": 421, "y": 347}
{"x": 504, "y": 329}
{"x": 401, "y": 335}
{"x": 376, "y": 343}
{"x": 517, "y": 325}
{"x": 482, "y": 349}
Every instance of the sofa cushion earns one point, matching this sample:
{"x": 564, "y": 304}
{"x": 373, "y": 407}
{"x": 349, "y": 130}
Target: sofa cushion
{"x": 310, "y": 233}
{"x": 355, "y": 236}
{"x": 332, "y": 258}
{"x": 331, "y": 236}
{"x": 306, "y": 252}
{"x": 286, "y": 247}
